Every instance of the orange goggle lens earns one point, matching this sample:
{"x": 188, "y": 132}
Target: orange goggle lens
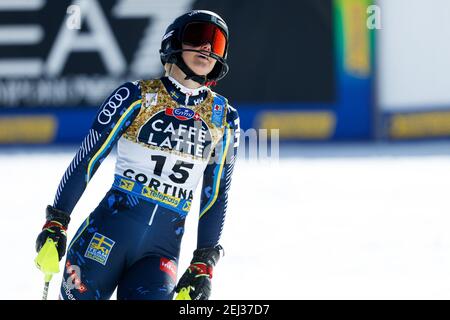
{"x": 198, "y": 33}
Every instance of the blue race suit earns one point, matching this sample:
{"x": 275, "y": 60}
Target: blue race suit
{"x": 168, "y": 138}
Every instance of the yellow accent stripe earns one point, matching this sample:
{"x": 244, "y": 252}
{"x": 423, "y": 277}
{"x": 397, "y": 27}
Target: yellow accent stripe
{"x": 81, "y": 232}
{"x": 224, "y": 156}
{"x": 111, "y": 135}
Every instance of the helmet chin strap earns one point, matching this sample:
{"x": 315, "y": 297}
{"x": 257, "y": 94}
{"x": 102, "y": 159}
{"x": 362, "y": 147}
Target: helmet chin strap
{"x": 190, "y": 75}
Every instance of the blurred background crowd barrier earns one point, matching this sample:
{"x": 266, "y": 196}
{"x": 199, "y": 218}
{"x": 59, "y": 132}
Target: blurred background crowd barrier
{"x": 318, "y": 70}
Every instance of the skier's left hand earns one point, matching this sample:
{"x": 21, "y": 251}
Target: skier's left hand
{"x": 197, "y": 277}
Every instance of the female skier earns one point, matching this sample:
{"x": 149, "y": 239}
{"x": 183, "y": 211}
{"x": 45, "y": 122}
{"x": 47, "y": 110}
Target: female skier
{"x": 170, "y": 133}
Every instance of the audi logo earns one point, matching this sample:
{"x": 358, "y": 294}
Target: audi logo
{"x": 110, "y": 107}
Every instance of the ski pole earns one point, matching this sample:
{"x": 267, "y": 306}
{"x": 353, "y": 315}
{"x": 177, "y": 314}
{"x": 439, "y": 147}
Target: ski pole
{"x": 183, "y": 294}
{"x": 47, "y": 261}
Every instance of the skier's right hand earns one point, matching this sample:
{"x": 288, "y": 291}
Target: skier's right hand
{"x": 55, "y": 228}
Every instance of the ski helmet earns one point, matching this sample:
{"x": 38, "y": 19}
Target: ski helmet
{"x": 196, "y": 28}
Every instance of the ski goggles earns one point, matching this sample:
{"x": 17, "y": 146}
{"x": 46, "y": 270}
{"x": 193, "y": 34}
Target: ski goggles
{"x": 198, "y": 33}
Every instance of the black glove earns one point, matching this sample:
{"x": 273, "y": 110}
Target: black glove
{"x": 199, "y": 274}
{"x": 55, "y": 228}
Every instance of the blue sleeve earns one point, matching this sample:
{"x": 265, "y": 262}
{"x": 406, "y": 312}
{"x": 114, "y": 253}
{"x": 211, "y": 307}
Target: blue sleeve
{"x": 114, "y": 116}
{"x": 216, "y": 183}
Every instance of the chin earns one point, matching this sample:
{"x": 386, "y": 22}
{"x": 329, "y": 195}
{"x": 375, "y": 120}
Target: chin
{"x": 200, "y": 73}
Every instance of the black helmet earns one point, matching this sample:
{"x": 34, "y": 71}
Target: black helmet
{"x": 171, "y": 44}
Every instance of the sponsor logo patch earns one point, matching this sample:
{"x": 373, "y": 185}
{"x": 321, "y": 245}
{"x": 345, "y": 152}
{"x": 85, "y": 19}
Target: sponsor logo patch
{"x": 151, "y": 99}
{"x": 177, "y": 129}
{"x": 187, "y": 206}
{"x": 99, "y": 248}
{"x": 182, "y": 114}
{"x": 74, "y": 278}
{"x": 126, "y": 184}
{"x": 159, "y": 196}
{"x": 110, "y": 107}
{"x": 169, "y": 267}
{"x": 218, "y": 112}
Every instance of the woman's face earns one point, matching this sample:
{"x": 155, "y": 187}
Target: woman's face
{"x": 199, "y": 63}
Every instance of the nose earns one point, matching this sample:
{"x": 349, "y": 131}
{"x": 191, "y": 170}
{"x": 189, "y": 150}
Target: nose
{"x": 206, "y": 46}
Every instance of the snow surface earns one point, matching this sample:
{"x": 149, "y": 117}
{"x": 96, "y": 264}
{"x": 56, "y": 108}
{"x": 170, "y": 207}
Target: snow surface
{"x": 325, "y": 222}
